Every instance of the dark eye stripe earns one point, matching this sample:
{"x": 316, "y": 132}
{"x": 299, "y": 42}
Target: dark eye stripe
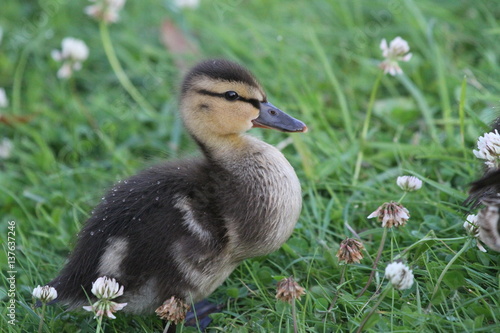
{"x": 255, "y": 102}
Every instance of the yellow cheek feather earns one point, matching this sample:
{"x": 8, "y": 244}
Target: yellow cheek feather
{"x": 217, "y": 115}
{"x": 233, "y": 117}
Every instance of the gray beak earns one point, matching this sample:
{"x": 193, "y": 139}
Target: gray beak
{"x": 272, "y": 117}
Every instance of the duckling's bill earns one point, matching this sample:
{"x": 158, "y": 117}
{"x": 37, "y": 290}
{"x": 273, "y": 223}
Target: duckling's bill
{"x": 272, "y": 117}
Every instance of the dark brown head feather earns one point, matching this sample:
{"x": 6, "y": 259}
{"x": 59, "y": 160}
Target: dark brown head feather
{"x": 219, "y": 69}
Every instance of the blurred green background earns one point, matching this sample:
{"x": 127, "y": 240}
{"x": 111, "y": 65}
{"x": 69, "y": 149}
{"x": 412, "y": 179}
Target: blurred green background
{"x": 318, "y": 60}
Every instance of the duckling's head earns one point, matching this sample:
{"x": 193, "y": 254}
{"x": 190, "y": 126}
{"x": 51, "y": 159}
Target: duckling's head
{"x": 220, "y": 98}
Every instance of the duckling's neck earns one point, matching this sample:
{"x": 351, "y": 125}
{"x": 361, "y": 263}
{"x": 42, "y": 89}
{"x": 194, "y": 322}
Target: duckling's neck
{"x": 222, "y": 149}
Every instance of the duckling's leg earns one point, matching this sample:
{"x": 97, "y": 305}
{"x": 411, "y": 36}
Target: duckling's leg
{"x": 198, "y": 316}
{"x": 171, "y": 329}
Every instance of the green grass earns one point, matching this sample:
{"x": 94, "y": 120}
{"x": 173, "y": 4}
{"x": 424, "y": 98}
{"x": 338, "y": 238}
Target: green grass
{"x": 318, "y": 61}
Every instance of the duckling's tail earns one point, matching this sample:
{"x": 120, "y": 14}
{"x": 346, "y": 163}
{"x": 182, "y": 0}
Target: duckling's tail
{"x": 69, "y": 292}
{"x": 486, "y": 187}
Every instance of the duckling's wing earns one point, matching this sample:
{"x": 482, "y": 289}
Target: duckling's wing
{"x": 131, "y": 234}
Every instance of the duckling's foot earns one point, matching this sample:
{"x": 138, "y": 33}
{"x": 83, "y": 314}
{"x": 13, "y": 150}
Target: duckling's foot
{"x": 198, "y": 316}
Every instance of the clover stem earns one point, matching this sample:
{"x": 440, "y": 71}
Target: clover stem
{"x": 118, "y": 69}
{"x": 375, "y": 263}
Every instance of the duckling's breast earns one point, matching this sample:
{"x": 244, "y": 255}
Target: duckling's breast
{"x": 264, "y": 204}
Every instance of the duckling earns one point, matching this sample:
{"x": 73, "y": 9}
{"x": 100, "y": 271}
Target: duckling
{"x": 488, "y": 218}
{"x": 486, "y": 191}
{"x": 181, "y": 227}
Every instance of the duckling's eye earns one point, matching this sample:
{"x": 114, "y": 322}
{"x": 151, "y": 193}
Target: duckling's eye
{"x": 231, "y": 95}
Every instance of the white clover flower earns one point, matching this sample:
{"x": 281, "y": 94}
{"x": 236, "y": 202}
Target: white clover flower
{"x": 106, "y": 289}
{"x": 396, "y": 51}
{"x": 73, "y": 53}
{"x": 105, "y": 10}
{"x": 4, "y": 101}
{"x": 409, "y": 183}
{"x": 193, "y": 4}
{"x": 400, "y": 275}
{"x": 488, "y": 147}
{"x": 5, "y": 148}
{"x": 105, "y": 307}
{"x": 72, "y": 49}
{"x": 473, "y": 229}
{"x": 350, "y": 251}
{"x": 173, "y": 309}
{"x": 391, "y": 214}
{"x": 45, "y": 293}
{"x": 287, "y": 290}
